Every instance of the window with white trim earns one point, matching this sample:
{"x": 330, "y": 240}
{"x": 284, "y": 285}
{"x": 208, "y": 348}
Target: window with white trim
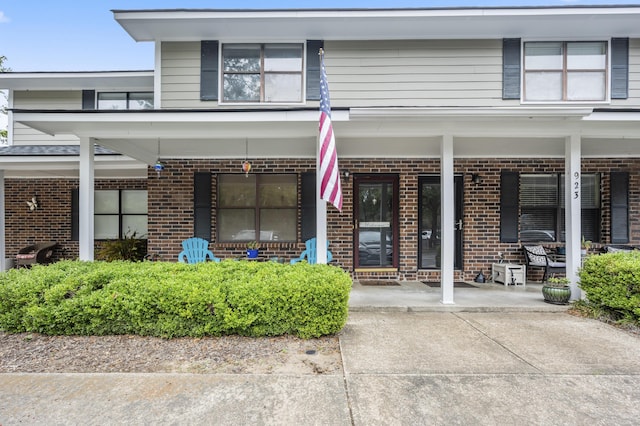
{"x": 561, "y": 71}
{"x": 262, "y": 73}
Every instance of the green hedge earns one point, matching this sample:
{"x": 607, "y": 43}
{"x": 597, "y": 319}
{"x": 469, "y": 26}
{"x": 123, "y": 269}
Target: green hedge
{"x": 612, "y": 282}
{"x": 175, "y": 299}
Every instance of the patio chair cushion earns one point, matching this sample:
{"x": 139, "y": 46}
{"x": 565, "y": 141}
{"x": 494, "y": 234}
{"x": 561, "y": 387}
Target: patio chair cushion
{"x": 537, "y": 255}
{"x": 26, "y": 256}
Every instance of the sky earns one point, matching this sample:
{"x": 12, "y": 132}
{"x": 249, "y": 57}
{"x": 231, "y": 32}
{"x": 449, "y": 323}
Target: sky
{"x": 73, "y": 35}
{"x": 81, "y": 35}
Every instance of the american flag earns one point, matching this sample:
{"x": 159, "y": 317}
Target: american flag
{"x": 330, "y": 189}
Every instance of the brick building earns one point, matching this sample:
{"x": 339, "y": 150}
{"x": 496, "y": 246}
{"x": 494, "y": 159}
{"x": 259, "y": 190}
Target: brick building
{"x": 461, "y": 134}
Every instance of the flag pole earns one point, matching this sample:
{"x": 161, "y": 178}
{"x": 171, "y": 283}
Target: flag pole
{"x": 321, "y": 206}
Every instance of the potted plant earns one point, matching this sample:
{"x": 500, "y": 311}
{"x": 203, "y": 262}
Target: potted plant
{"x": 557, "y": 291}
{"x": 253, "y": 248}
{"x": 585, "y": 245}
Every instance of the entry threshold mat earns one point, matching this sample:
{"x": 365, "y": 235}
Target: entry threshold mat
{"x": 456, "y": 284}
{"x": 379, "y": 282}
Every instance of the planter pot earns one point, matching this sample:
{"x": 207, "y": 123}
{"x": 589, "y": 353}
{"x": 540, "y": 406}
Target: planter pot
{"x": 556, "y": 295}
{"x": 252, "y": 253}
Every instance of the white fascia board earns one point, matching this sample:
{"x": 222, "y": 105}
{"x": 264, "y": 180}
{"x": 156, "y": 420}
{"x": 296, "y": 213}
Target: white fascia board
{"x": 123, "y": 80}
{"x": 380, "y": 24}
{"x": 177, "y": 117}
{"x": 106, "y": 166}
{"x": 113, "y": 161}
{"x": 467, "y": 113}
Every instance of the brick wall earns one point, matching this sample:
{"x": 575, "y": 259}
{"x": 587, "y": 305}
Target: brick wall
{"x": 52, "y": 220}
{"x": 171, "y": 208}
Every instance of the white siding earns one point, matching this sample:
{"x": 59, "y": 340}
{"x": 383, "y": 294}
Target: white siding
{"x": 415, "y": 73}
{"x": 181, "y": 76}
{"x": 634, "y": 78}
{"x": 45, "y": 100}
{"x": 428, "y": 73}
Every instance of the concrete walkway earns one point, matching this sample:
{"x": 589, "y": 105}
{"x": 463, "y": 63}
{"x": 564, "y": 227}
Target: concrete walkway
{"x": 405, "y": 365}
{"x": 416, "y": 296}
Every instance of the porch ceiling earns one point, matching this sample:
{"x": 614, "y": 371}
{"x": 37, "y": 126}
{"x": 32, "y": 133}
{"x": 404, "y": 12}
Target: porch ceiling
{"x": 293, "y": 133}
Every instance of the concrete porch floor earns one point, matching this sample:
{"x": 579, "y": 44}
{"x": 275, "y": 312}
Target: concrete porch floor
{"x": 416, "y": 296}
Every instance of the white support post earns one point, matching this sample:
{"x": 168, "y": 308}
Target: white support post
{"x": 86, "y": 199}
{"x": 447, "y": 219}
{"x": 321, "y": 215}
{"x": 3, "y": 246}
{"x": 572, "y": 196}
{"x": 157, "y": 77}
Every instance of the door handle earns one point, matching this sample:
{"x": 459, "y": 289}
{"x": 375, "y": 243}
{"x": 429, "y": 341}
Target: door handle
{"x": 458, "y": 225}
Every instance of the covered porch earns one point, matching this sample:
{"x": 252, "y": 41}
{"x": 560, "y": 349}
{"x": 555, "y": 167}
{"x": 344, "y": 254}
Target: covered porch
{"x": 449, "y": 138}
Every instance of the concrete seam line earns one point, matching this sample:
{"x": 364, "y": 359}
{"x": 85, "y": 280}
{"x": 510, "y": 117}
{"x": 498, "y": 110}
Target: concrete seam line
{"x": 475, "y": 327}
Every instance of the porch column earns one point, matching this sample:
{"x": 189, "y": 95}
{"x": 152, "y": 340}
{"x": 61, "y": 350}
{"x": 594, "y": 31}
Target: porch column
{"x": 447, "y": 219}
{"x": 3, "y": 246}
{"x": 86, "y": 197}
{"x": 572, "y": 196}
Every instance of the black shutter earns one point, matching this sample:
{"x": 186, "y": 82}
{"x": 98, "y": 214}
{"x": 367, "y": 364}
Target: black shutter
{"x": 202, "y": 205}
{"x": 313, "y": 69}
{"x": 88, "y": 99}
{"x": 75, "y": 214}
{"x": 511, "y": 68}
{"x": 619, "y": 207}
{"x": 619, "y": 68}
{"x": 509, "y": 195}
{"x": 209, "y": 70}
{"x": 308, "y": 206}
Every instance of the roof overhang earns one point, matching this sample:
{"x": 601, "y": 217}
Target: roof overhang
{"x": 107, "y": 80}
{"x": 106, "y": 167}
{"x": 380, "y": 24}
{"x": 360, "y": 132}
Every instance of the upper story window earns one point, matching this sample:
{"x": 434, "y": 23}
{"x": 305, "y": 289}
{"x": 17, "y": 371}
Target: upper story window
{"x": 565, "y": 71}
{"x": 262, "y": 73}
{"x": 125, "y": 100}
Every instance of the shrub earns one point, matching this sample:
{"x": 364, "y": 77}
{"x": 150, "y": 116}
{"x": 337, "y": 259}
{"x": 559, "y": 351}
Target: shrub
{"x": 612, "y": 282}
{"x": 174, "y": 299}
{"x": 131, "y": 247}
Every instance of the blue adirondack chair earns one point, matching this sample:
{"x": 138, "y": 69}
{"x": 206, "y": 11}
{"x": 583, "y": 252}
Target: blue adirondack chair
{"x": 310, "y": 254}
{"x": 196, "y": 250}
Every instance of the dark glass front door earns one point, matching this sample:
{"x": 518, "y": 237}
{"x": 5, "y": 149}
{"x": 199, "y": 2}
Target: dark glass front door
{"x": 376, "y": 223}
{"x": 429, "y": 225}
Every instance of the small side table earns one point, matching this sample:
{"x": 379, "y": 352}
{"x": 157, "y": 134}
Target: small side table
{"x": 509, "y": 273}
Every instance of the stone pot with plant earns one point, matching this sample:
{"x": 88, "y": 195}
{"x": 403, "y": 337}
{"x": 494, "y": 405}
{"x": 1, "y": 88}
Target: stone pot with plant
{"x": 557, "y": 291}
{"x": 585, "y": 246}
{"x": 253, "y": 249}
